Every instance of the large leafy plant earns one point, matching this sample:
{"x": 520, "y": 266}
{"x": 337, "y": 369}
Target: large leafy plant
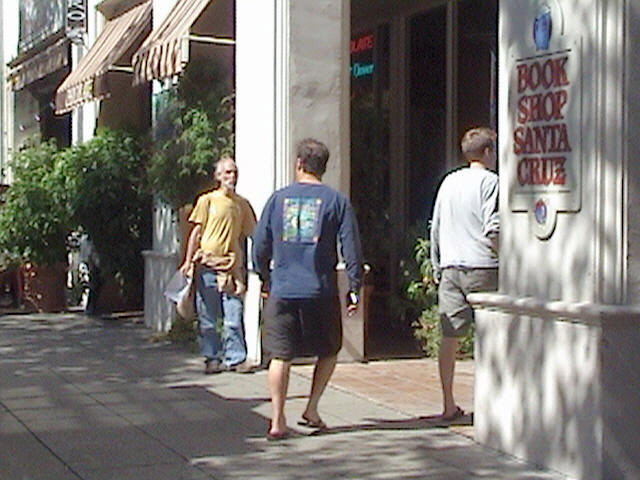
{"x": 422, "y": 291}
{"x": 33, "y": 220}
{"x": 98, "y": 187}
{"x": 106, "y": 195}
{"x": 195, "y": 127}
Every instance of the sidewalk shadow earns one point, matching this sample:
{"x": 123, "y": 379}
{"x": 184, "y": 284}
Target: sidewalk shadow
{"x": 416, "y": 423}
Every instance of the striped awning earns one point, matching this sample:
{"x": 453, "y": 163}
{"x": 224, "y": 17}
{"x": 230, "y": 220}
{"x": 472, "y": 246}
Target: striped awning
{"x": 110, "y": 52}
{"x": 50, "y": 60}
{"x": 166, "y": 51}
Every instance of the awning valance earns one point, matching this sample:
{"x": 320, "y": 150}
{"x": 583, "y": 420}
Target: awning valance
{"x": 50, "y": 60}
{"x": 166, "y": 51}
{"x": 88, "y": 81}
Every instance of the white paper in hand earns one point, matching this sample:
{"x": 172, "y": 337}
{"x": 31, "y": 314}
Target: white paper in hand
{"x": 177, "y": 287}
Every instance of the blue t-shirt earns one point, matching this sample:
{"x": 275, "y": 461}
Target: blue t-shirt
{"x": 299, "y": 230}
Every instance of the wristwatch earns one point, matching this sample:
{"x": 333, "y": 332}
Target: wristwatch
{"x": 352, "y": 298}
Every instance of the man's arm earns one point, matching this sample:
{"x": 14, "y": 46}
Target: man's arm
{"x": 351, "y": 250}
{"x": 192, "y": 246}
{"x": 490, "y": 212}
{"x": 263, "y": 244}
{"x": 434, "y": 241}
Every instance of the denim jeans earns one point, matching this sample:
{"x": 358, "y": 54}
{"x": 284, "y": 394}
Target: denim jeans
{"x": 219, "y": 312}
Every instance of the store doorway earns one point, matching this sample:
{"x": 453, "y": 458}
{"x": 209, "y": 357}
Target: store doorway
{"x": 422, "y": 72}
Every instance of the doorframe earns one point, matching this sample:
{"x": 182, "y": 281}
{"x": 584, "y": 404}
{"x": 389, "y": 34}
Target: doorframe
{"x": 398, "y": 23}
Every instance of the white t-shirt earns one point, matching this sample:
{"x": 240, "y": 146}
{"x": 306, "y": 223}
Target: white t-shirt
{"x": 464, "y": 216}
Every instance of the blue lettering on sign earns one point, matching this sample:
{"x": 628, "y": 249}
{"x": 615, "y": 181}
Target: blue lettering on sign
{"x": 362, "y": 69}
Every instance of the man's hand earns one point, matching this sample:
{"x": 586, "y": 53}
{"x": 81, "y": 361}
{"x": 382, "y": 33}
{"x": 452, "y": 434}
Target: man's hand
{"x": 186, "y": 269}
{"x": 264, "y": 290}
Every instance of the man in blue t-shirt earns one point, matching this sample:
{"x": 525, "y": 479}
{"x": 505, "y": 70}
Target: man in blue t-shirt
{"x": 298, "y": 235}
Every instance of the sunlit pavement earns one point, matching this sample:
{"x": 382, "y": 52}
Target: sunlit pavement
{"x": 94, "y": 399}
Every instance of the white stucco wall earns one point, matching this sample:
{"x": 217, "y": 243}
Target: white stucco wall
{"x": 84, "y": 118}
{"x": 555, "y": 345}
{"x": 256, "y": 59}
{"x": 536, "y": 390}
{"x": 563, "y": 266}
{"x": 319, "y": 82}
{"x": 255, "y": 99}
{"x": 291, "y": 82}
{"x": 9, "y": 28}
{"x": 632, "y": 186}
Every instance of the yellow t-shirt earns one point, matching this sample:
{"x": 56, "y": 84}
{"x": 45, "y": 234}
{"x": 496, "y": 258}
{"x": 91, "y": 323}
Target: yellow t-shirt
{"x": 225, "y": 220}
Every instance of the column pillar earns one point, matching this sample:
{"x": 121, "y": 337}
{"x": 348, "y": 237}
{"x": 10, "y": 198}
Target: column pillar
{"x": 557, "y": 346}
{"x": 292, "y": 82}
{"x": 256, "y": 126}
{"x": 316, "y": 83}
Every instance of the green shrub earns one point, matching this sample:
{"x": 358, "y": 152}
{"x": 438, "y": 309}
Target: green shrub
{"x": 195, "y": 128}
{"x": 98, "y": 187}
{"x": 106, "y": 194}
{"x": 9, "y": 260}
{"x": 33, "y": 221}
{"x": 422, "y": 290}
{"x": 183, "y": 331}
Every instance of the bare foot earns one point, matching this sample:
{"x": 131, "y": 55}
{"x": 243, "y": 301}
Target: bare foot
{"x": 277, "y": 429}
{"x": 445, "y": 417}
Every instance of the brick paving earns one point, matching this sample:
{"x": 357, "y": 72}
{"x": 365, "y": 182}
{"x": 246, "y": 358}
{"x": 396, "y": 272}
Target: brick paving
{"x": 409, "y": 386}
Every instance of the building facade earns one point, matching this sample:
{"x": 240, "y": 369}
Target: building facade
{"x": 390, "y": 86}
{"x": 38, "y": 58}
{"x": 60, "y": 81}
{"x": 556, "y": 370}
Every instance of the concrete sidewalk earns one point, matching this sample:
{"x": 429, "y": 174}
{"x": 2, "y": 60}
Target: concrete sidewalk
{"x": 94, "y": 399}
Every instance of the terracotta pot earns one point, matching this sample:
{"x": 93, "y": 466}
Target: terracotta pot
{"x": 111, "y": 299}
{"x": 44, "y": 286}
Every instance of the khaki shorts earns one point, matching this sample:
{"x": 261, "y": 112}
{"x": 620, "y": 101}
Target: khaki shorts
{"x": 456, "y": 315}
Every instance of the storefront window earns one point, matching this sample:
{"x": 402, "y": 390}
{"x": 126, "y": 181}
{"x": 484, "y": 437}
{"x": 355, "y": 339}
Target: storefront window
{"x": 422, "y": 72}
{"x": 370, "y": 143}
{"x": 477, "y": 64}
{"x": 39, "y": 19}
{"x": 427, "y": 111}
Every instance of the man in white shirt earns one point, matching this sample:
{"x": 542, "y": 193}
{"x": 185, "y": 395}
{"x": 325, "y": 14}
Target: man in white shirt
{"x": 464, "y": 241}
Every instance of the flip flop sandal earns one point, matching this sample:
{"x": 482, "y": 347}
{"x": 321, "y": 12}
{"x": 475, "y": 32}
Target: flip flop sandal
{"x": 318, "y": 424}
{"x": 274, "y": 437}
{"x": 454, "y": 416}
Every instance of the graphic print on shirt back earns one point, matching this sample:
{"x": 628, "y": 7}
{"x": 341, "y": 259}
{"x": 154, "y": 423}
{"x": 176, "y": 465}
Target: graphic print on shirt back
{"x": 301, "y": 219}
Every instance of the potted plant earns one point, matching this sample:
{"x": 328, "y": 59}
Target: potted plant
{"x": 422, "y": 293}
{"x": 33, "y": 226}
{"x": 10, "y": 281}
{"x": 104, "y": 188}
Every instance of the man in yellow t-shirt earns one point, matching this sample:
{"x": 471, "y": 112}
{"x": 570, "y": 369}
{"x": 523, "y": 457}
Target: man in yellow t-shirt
{"x": 215, "y": 255}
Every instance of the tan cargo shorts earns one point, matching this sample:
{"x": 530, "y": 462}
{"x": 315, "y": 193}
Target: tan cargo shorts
{"x": 456, "y": 315}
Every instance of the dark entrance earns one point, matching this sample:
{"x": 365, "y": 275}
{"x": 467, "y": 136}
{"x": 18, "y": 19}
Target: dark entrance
{"x": 422, "y": 72}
